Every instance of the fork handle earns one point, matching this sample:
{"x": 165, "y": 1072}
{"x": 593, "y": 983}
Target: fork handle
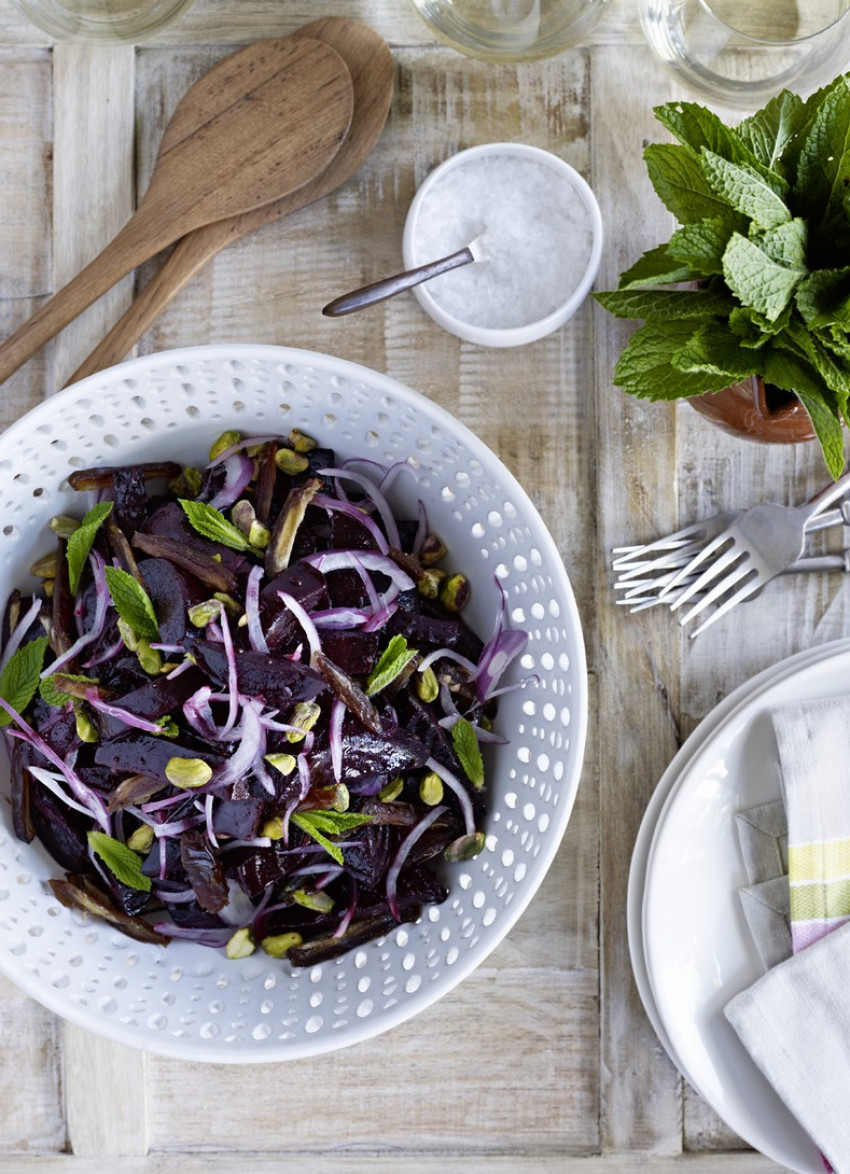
{"x": 815, "y": 505}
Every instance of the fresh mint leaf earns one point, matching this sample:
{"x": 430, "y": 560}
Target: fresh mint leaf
{"x": 81, "y": 541}
{"x": 678, "y": 176}
{"x": 755, "y": 331}
{"x": 124, "y": 864}
{"x": 132, "y": 603}
{"x": 756, "y": 280}
{"x": 702, "y": 245}
{"x": 823, "y": 298}
{"x": 794, "y": 374}
{"x": 767, "y": 132}
{"x": 786, "y": 244}
{"x": 662, "y": 305}
{"x": 319, "y": 824}
{"x": 20, "y": 677}
{"x": 645, "y": 368}
{"x": 657, "y": 267}
{"x": 210, "y": 523}
{"x": 468, "y": 752}
{"x": 697, "y": 127}
{"x": 747, "y": 191}
{"x": 713, "y": 350}
{"x": 824, "y": 156}
{"x": 391, "y": 664}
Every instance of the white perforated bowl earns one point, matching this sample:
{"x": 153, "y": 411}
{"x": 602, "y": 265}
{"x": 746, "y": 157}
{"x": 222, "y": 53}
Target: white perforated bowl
{"x": 191, "y": 1002}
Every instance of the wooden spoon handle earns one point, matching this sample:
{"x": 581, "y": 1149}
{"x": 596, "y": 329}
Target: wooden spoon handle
{"x": 189, "y": 255}
{"x": 129, "y": 248}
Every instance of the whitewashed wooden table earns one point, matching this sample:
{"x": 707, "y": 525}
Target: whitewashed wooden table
{"x": 543, "y": 1060}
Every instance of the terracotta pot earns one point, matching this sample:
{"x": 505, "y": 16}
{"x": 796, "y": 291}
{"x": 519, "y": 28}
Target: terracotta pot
{"x": 756, "y": 412}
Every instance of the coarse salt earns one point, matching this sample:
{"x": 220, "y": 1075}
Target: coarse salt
{"x": 536, "y": 239}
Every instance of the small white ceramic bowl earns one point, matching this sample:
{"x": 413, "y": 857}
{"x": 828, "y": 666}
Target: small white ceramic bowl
{"x": 494, "y": 197}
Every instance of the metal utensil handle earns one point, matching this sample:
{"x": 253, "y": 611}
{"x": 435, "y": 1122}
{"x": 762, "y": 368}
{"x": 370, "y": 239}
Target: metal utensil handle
{"x": 387, "y": 287}
{"x": 815, "y": 505}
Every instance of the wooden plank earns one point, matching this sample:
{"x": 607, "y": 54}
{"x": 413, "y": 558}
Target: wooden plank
{"x": 384, "y": 1163}
{"x": 439, "y": 1083}
{"x": 105, "y": 1095}
{"x": 637, "y": 663}
{"x": 93, "y": 187}
{"x": 30, "y": 1086}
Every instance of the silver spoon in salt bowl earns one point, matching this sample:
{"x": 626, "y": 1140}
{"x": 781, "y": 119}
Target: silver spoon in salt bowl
{"x": 388, "y": 287}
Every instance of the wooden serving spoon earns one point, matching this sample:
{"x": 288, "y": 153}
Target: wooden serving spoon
{"x": 371, "y": 67}
{"x": 262, "y": 122}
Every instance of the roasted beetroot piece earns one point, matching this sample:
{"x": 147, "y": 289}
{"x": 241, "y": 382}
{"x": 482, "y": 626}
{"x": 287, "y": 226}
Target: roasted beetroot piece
{"x": 136, "y": 753}
{"x": 273, "y": 679}
{"x": 203, "y": 870}
{"x": 152, "y": 700}
{"x": 356, "y": 653}
{"x": 62, "y": 831}
{"x": 173, "y": 591}
{"x": 307, "y": 586}
{"x": 366, "y": 755}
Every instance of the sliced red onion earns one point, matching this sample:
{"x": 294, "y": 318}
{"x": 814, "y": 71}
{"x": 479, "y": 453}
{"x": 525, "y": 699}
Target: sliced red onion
{"x": 177, "y": 827}
{"x": 447, "y": 654}
{"x": 232, "y": 680}
{"x": 158, "y": 804}
{"x": 313, "y": 638}
{"x": 345, "y": 920}
{"x": 209, "y": 801}
{"x": 342, "y": 560}
{"x": 252, "y": 610}
{"x": 52, "y": 781}
{"x": 495, "y": 659}
{"x": 381, "y": 615}
{"x": 353, "y": 511}
{"x": 202, "y": 937}
{"x": 340, "y": 618}
{"x": 402, "y": 854}
{"x": 82, "y": 793}
{"x": 335, "y": 736}
{"x": 102, "y": 601}
{"x": 23, "y": 626}
{"x": 251, "y": 748}
{"x": 454, "y": 784}
{"x": 184, "y": 897}
{"x": 198, "y": 713}
{"x": 369, "y": 487}
{"x": 122, "y": 715}
{"x": 238, "y": 471}
{"x": 107, "y": 655}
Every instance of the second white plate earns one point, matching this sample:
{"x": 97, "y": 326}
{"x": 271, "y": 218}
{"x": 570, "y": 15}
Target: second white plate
{"x": 697, "y": 947}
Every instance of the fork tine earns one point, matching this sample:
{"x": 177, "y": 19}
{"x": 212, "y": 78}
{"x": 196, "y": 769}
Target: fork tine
{"x": 698, "y": 533}
{"x": 672, "y": 560}
{"x": 744, "y": 570}
{"x": 714, "y": 547}
{"x": 743, "y": 593}
{"x": 717, "y": 569}
{"x": 627, "y": 554}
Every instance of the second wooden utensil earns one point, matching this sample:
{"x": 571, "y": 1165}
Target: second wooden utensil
{"x": 262, "y": 123}
{"x": 370, "y": 64}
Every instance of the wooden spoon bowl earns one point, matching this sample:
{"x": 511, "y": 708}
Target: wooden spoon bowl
{"x": 370, "y": 65}
{"x": 260, "y": 124}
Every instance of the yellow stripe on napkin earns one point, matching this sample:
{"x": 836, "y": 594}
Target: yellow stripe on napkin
{"x": 820, "y": 902}
{"x": 819, "y": 861}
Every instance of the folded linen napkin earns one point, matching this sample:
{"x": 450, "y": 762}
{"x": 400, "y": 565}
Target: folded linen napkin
{"x": 795, "y": 1023}
{"x": 814, "y": 755}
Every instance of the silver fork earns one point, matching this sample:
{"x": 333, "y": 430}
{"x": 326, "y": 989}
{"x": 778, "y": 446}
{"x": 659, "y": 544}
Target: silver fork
{"x": 760, "y": 544}
{"x": 640, "y": 594}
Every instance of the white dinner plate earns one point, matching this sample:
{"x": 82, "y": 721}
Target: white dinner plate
{"x": 697, "y": 948}
{"x": 667, "y": 784}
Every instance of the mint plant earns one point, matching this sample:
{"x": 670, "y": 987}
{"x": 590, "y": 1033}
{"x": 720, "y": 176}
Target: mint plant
{"x": 760, "y": 265}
